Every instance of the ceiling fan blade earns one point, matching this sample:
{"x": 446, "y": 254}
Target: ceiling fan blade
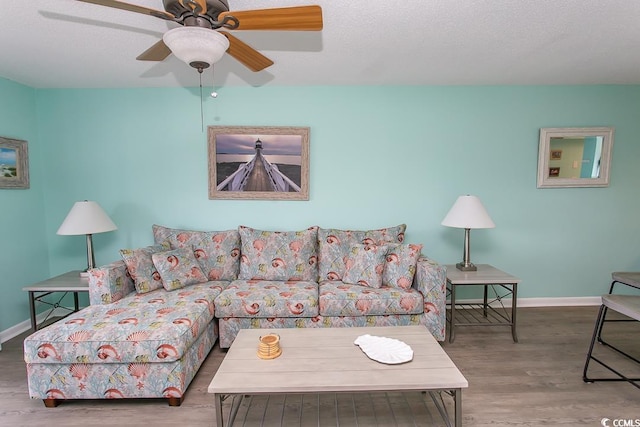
{"x": 300, "y": 18}
{"x": 245, "y": 54}
{"x": 157, "y": 52}
{"x": 133, "y": 8}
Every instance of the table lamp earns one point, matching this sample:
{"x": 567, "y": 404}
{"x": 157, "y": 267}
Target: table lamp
{"x": 87, "y": 218}
{"x": 467, "y": 212}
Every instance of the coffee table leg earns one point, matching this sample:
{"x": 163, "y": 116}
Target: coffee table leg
{"x": 457, "y": 401}
{"x": 218, "y": 405}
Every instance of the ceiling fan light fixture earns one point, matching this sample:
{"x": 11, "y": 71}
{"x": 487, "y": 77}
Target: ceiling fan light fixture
{"x": 196, "y": 46}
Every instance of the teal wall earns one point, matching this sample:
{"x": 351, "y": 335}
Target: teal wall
{"x": 379, "y": 156}
{"x": 24, "y": 256}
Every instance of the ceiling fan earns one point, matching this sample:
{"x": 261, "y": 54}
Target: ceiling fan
{"x": 202, "y": 23}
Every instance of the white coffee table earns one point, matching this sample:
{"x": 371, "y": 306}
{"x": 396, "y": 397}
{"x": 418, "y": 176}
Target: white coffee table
{"x": 326, "y": 360}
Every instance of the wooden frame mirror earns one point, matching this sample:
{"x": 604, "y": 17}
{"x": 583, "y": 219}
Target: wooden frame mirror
{"x": 574, "y": 157}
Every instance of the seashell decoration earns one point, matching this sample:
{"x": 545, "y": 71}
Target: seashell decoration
{"x": 384, "y": 350}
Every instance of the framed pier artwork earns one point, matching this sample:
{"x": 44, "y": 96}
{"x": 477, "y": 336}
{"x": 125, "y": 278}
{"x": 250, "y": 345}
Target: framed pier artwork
{"x": 258, "y": 163}
{"x": 14, "y": 164}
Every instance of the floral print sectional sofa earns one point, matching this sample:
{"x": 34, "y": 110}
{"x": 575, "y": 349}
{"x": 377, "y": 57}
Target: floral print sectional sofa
{"x": 155, "y": 315}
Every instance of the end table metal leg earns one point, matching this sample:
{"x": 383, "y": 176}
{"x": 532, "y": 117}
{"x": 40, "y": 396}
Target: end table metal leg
{"x": 514, "y": 309}
{"x": 76, "y": 306}
{"x": 452, "y": 323}
{"x": 32, "y": 311}
{"x": 485, "y": 301}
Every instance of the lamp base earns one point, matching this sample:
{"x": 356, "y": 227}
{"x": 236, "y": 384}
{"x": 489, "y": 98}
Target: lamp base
{"x": 468, "y": 267}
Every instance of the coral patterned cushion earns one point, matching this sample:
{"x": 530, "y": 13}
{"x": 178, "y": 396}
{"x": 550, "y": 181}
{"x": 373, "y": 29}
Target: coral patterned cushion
{"x": 364, "y": 265}
{"x": 334, "y": 245}
{"x": 266, "y": 298}
{"x": 217, "y": 252}
{"x": 400, "y": 265}
{"x": 342, "y": 299}
{"x": 278, "y": 255}
{"x": 141, "y": 268}
{"x": 178, "y": 268}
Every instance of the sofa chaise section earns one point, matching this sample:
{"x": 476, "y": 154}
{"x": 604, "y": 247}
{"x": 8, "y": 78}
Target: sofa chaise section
{"x": 142, "y": 346}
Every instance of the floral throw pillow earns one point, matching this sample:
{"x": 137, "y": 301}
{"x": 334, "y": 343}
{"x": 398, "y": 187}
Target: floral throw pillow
{"x": 141, "y": 269}
{"x": 334, "y": 244}
{"x": 364, "y": 265}
{"x": 178, "y": 268}
{"x": 279, "y": 255}
{"x": 217, "y": 252}
{"x": 400, "y": 265}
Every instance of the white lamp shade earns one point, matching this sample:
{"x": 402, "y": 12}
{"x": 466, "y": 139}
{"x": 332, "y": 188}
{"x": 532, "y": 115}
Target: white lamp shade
{"x": 468, "y": 212}
{"x": 196, "y": 44}
{"x": 86, "y": 217}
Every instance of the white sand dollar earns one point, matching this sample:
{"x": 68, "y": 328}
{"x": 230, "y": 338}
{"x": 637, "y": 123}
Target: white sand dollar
{"x": 384, "y": 350}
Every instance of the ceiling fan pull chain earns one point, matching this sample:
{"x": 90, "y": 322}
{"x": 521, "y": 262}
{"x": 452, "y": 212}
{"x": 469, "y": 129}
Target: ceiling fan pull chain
{"x": 201, "y": 101}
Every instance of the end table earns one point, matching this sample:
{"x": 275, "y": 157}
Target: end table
{"x": 485, "y": 313}
{"x": 67, "y": 282}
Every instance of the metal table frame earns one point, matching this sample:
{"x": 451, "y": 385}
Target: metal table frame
{"x": 70, "y": 282}
{"x": 483, "y": 313}
{"x": 631, "y": 279}
{"x": 237, "y": 400}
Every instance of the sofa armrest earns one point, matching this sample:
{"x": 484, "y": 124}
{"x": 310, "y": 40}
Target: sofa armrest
{"x": 431, "y": 280}
{"x": 109, "y": 283}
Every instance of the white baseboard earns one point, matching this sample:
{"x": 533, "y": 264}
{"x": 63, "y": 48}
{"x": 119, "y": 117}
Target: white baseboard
{"x": 541, "y": 302}
{"x": 24, "y": 326}
{"x": 559, "y": 302}
{"x": 21, "y": 327}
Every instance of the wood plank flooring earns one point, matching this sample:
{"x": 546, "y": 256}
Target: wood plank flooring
{"x": 536, "y": 382}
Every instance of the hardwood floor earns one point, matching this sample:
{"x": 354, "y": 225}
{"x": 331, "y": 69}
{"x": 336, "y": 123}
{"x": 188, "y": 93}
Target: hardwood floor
{"x": 536, "y": 382}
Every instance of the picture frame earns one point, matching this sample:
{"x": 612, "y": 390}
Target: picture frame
{"x": 14, "y": 164}
{"x": 258, "y": 163}
{"x": 555, "y": 155}
{"x": 554, "y": 172}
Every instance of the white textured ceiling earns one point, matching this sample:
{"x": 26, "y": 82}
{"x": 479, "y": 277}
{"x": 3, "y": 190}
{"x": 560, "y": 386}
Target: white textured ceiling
{"x": 69, "y": 44}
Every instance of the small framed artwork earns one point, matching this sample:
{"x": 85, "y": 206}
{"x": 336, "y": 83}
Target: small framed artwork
{"x": 555, "y": 155}
{"x": 554, "y": 172}
{"x": 258, "y": 163}
{"x": 14, "y": 164}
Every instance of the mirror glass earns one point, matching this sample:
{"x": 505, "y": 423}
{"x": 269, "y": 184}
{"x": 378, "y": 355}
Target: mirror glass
{"x": 574, "y": 157}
